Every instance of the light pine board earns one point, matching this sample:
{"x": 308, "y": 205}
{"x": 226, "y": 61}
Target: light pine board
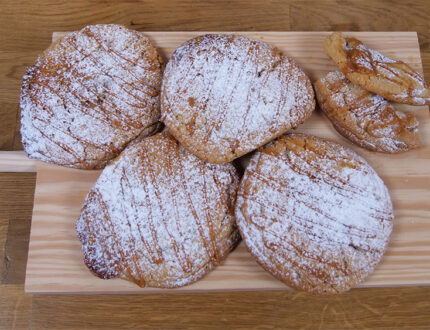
{"x": 16, "y": 161}
{"x": 55, "y": 260}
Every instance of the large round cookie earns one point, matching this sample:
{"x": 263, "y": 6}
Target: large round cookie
{"x": 314, "y": 214}
{"x": 159, "y": 216}
{"x": 225, "y": 95}
{"x": 89, "y": 95}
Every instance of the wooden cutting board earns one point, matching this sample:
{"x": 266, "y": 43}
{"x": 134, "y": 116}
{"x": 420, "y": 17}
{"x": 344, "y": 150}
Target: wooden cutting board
{"x": 55, "y": 260}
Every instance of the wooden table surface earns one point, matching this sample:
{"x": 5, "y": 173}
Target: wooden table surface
{"x": 25, "y": 30}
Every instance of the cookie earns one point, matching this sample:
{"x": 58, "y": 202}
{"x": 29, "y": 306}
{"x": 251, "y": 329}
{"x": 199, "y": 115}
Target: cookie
{"x": 89, "y": 94}
{"x": 159, "y": 216}
{"x": 225, "y": 95}
{"x": 314, "y": 214}
{"x": 394, "y": 80}
{"x": 364, "y": 118}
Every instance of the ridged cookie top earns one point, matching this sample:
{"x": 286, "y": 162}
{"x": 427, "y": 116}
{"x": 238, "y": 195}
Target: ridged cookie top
{"x": 365, "y": 118}
{"x": 88, "y": 95}
{"x": 225, "y": 95}
{"x": 392, "y": 79}
{"x": 159, "y": 216}
{"x": 313, "y": 213}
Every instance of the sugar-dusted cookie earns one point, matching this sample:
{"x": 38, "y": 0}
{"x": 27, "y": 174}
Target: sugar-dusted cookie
{"x": 365, "y": 118}
{"x": 159, "y": 216}
{"x": 225, "y": 95}
{"x": 392, "y": 79}
{"x": 313, "y": 213}
{"x": 89, "y": 94}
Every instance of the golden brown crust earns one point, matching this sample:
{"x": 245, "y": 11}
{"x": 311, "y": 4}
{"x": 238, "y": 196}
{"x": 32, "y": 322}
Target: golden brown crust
{"x": 88, "y": 95}
{"x": 225, "y": 95}
{"x": 364, "y": 118}
{"x": 313, "y": 213}
{"x": 394, "y": 80}
{"x": 159, "y": 216}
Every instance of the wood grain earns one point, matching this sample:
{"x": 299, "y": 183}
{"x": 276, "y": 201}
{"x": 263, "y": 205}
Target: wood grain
{"x": 16, "y": 204}
{"x": 16, "y": 161}
{"x": 361, "y": 308}
{"x": 16, "y": 188}
{"x": 14, "y": 307}
{"x": 55, "y": 257}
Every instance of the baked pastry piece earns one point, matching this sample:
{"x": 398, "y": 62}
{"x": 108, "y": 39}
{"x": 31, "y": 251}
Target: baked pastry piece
{"x": 314, "y": 214}
{"x": 159, "y": 216}
{"x": 89, "y": 94}
{"x": 225, "y": 95}
{"x": 365, "y": 118}
{"x": 392, "y": 79}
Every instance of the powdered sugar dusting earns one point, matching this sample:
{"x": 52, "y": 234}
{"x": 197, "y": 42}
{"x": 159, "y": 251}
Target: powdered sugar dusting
{"x": 392, "y": 79}
{"x": 226, "y": 95}
{"x": 90, "y": 94}
{"x": 375, "y": 55}
{"x": 159, "y": 216}
{"x": 314, "y": 214}
{"x": 365, "y": 118}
